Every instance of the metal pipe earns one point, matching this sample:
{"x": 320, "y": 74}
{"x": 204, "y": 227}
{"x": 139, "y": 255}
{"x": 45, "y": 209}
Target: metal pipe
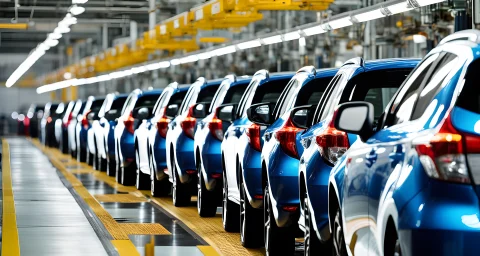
{"x": 152, "y": 14}
{"x": 105, "y": 9}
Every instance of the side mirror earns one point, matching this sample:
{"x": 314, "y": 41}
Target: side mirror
{"x": 261, "y": 113}
{"x": 355, "y": 117}
{"x": 200, "y": 110}
{"x": 141, "y": 113}
{"x": 226, "y": 112}
{"x": 302, "y": 116}
{"x": 172, "y": 111}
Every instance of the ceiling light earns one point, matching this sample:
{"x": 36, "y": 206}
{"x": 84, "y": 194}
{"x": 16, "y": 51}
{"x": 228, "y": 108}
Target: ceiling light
{"x": 419, "y": 39}
{"x": 302, "y": 41}
{"x": 54, "y": 86}
{"x": 164, "y": 64}
{"x": 249, "y": 44}
{"x": 371, "y": 15}
{"x": 204, "y": 56}
{"x": 272, "y": 40}
{"x": 76, "y": 10}
{"x": 79, "y": 1}
{"x": 61, "y": 30}
{"x": 103, "y": 78}
{"x": 175, "y": 62}
{"x": 314, "y": 30}
{"x": 153, "y": 66}
{"x": 67, "y": 75}
{"x": 137, "y": 70}
{"x": 399, "y": 8}
{"x": 224, "y": 50}
{"x": 91, "y": 80}
{"x": 189, "y": 59}
{"x": 340, "y": 23}
{"x": 291, "y": 36}
{"x": 428, "y": 2}
{"x": 51, "y": 42}
{"x": 55, "y": 36}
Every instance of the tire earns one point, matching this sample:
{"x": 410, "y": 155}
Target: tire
{"x": 391, "y": 245}
{"x": 90, "y": 159}
{"x": 111, "y": 168}
{"x": 206, "y": 200}
{"x": 142, "y": 181}
{"x": 96, "y": 159}
{"x": 230, "y": 210}
{"x": 103, "y": 165}
{"x": 339, "y": 247}
{"x": 118, "y": 173}
{"x": 160, "y": 188}
{"x": 129, "y": 175}
{"x": 313, "y": 245}
{"x": 82, "y": 155}
{"x": 278, "y": 241}
{"x": 251, "y": 222}
{"x": 181, "y": 192}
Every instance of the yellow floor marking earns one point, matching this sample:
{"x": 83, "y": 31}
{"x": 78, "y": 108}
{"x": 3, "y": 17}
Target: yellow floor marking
{"x": 125, "y": 247}
{"x": 120, "y": 198}
{"x": 207, "y": 250}
{"x": 122, "y": 243}
{"x": 10, "y": 241}
{"x": 144, "y": 229}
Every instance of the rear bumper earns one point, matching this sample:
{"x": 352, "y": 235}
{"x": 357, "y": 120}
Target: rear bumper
{"x": 160, "y": 157}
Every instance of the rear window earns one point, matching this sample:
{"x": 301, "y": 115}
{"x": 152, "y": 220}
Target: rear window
{"x": 118, "y": 103}
{"x": 147, "y": 101}
{"x": 269, "y": 92}
{"x": 96, "y": 106}
{"x": 469, "y": 98}
{"x": 312, "y": 92}
{"x": 376, "y": 87}
{"x": 207, "y": 93}
{"x": 235, "y": 93}
{"x": 177, "y": 98}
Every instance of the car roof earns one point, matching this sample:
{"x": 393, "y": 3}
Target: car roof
{"x": 372, "y": 65}
{"x": 326, "y": 72}
{"x": 152, "y": 92}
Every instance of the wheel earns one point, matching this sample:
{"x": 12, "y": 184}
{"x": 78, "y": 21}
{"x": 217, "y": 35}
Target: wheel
{"x": 103, "y": 164}
{"x": 96, "y": 162}
{"x": 129, "y": 175}
{"x": 142, "y": 181}
{"x": 230, "y": 210}
{"x": 313, "y": 245}
{"x": 339, "y": 247}
{"x": 118, "y": 173}
{"x": 111, "y": 167}
{"x": 160, "y": 188}
{"x": 391, "y": 245}
{"x": 251, "y": 220}
{"x": 82, "y": 155}
{"x": 181, "y": 193}
{"x": 206, "y": 200}
{"x": 90, "y": 158}
{"x": 278, "y": 241}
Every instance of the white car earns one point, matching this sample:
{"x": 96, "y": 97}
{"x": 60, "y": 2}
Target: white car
{"x": 72, "y": 139}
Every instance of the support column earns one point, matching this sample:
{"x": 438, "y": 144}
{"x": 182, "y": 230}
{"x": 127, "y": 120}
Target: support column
{"x": 64, "y": 95}
{"x": 152, "y": 16}
{"x": 105, "y": 36}
{"x": 73, "y": 92}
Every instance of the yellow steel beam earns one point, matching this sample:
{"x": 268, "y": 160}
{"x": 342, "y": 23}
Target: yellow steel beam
{"x": 19, "y": 26}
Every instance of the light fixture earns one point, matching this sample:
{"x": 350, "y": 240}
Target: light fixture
{"x": 51, "y": 42}
{"x": 302, "y": 42}
{"x": 54, "y": 86}
{"x": 204, "y": 56}
{"x": 175, "y": 62}
{"x": 340, "y": 23}
{"x": 418, "y": 39}
{"x": 428, "y": 2}
{"x": 79, "y": 1}
{"x": 224, "y": 50}
{"x": 55, "y": 36}
{"x": 291, "y": 36}
{"x": 314, "y": 30}
{"x": 153, "y": 66}
{"x": 61, "y": 30}
{"x": 103, "y": 78}
{"x": 77, "y": 10}
{"x": 249, "y": 44}
{"x": 371, "y": 15}
{"x": 137, "y": 70}
{"x": 67, "y": 75}
{"x": 399, "y": 8}
{"x": 272, "y": 40}
{"x": 164, "y": 64}
{"x": 189, "y": 59}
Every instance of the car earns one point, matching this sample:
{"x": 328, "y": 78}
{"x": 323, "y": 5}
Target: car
{"x": 181, "y": 167}
{"x": 145, "y": 135}
{"x": 133, "y": 114}
{"x": 84, "y": 120}
{"x": 72, "y": 126}
{"x": 208, "y": 140}
{"x": 280, "y": 155}
{"x": 109, "y": 122}
{"x": 101, "y": 125}
{"x": 61, "y": 127}
{"x": 54, "y": 118}
{"x": 264, "y": 87}
{"x": 375, "y": 81}
{"x": 23, "y": 122}
{"x": 35, "y": 114}
{"x": 160, "y": 185}
{"x": 50, "y": 109}
{"x": 409, "y": 184}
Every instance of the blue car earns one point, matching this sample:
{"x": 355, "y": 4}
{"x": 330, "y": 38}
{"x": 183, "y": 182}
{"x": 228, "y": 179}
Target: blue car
{"x": 409, "y": 184}
{"x": 137, "y": 108}
{"x": 242, "y": 141}
{"x": 208, "y": 140}
{"x": 373, "y": 81}
{"x": 280, "y": 156}
{"x": 108, "y": 122}
{"x": 84, "y": 123}
{"x": 174, "y": 95}
{"x": 181, "y": 167}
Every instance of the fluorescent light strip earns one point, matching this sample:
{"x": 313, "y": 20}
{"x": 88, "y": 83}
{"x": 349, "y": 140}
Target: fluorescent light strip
{"x": 272, "y": 40}
{"x": 371, "y": 15}
{"x": 249, "y": 44}
{"x": 224, "y": 50}
{"x": 291, "y": 36}
{"x": 314, "y": 30}
{"x": 399, "y": 8}
{"x": 340, "y": 23}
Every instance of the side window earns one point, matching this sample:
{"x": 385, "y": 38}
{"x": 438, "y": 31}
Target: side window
{"x": 401, "y": 108}
{"x": 325, "y": 97}
{"x": 127, "y": 103}
{"x": 186, "y": 101}
{"x": 286, "y": 102}
{"x": 219, "y": 96}
{"x": 159, "y": 102}
{"x": 433, "y": 85}
{"x": 251, "y": 87}
{"x": 282, "y": 100}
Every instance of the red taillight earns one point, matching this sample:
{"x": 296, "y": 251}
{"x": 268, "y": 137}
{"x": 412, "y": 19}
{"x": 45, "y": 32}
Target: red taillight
{"x": 26, "y": 121}
{"x": 215, "y": 127}
{"x": 68, "y": 120}
{"x": 332, "y": 144}
{"x": 162, "y": 126}
{"x": 190, "y": 172}
{"x": 253, "y": 134}
{"x": 129, "y": 123}
{"x": 85, "y": 122}
{"x": 188, "y": 124}
{"x": 443, "y": 156}
{"x": 49, "y": 119}
{"x": 286, "y": 136}
{"x": 216, "y": 175}
{"x": 290, "y": 208}
{"x": 258, "y": 197}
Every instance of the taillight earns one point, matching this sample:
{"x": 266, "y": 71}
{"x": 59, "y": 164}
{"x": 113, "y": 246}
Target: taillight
{"x": 332, "y": 144}
{"x": 85, "y": 122}
{"x": 253, "y": 134}
{"x": 215, "y": 127}
{"x": 162, "y": 126}
{"x": 129, "y": 123}
{"x": 188, "y": 124}
{"x": 286, "y": 136}
{"x": 67, "y": 122}
{"x": 443, "y": 156}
